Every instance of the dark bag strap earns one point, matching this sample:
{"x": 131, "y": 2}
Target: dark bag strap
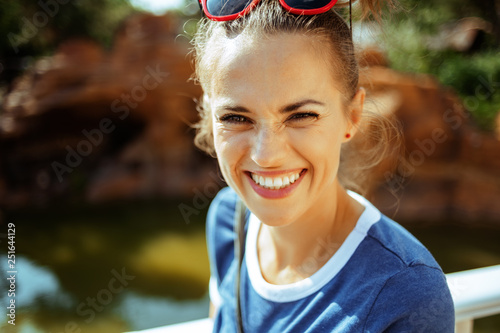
{"x": 239, "y": 250}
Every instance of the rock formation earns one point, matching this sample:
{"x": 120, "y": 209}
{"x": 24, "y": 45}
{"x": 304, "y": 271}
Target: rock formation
{"x": 104, "y": 124}
{"x": 451, "y": 170}
{"x": 115, "y": 124}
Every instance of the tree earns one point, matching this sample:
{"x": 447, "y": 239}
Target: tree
{"x": 30, "y": 28}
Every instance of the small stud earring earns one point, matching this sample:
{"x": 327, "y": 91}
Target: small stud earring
{"x": 348, "y": 135}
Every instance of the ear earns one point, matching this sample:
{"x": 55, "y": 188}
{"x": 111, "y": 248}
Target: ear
{"x": 355, "y": 113}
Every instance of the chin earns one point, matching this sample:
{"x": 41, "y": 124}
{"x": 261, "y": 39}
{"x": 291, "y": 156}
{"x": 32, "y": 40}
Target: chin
{"x": 273, "y": 216}
{"x": 272, "y": 212}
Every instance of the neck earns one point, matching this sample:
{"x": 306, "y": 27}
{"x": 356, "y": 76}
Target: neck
{"x": 295, "y": 251}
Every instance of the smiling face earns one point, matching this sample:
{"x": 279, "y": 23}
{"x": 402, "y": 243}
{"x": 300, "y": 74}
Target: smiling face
{"x": 278, "y": 123}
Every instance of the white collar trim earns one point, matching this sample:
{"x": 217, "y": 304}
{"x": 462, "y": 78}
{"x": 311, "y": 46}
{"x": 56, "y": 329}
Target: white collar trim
{"x": 300, "y": 289}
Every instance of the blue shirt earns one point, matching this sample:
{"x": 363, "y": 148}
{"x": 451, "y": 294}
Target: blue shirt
{"x": 381, "y": 279}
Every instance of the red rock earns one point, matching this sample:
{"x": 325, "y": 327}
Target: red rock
{"x": 452, "y": 170}
{"x": 497, "y": 125}
{"x": 74, "y": 90}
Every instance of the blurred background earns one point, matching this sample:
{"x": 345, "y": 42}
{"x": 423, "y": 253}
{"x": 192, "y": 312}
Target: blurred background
{"x": 108, "y": 195}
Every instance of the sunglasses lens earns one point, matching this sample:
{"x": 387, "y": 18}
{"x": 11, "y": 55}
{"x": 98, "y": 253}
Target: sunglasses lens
{"x": 307, "y": 4}
{"x": 219, "y": 8}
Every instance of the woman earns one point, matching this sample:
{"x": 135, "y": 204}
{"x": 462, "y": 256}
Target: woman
{"x": 281, "y": 107}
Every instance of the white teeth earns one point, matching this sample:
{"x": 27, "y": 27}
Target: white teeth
{"x": 269, "y": 182}
{"x": 275, "y": 183}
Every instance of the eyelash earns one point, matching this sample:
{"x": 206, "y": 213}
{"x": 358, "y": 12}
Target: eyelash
{"x": 231, "y": 118}
{"x": 239, "y": 119}
{"x": 303, "y": 115}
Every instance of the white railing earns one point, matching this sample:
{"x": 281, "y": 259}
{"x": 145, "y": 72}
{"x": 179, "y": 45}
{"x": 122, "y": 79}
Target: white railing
{"x": 204, "y": 325}
{"x": 476, "y": 294}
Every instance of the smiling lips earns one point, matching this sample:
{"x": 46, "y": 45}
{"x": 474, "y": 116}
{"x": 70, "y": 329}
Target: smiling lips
{"x": 274, "y": 185}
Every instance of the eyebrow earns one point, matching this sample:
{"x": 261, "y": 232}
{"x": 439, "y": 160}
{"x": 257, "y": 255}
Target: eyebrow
{"x": 286, "y": 109}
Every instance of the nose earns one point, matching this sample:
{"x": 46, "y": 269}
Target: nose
{"x": 269, "y": 148}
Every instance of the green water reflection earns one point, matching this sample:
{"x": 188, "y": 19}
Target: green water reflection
{"x": 108, "y": 268}
{"x": 133, "y": 265}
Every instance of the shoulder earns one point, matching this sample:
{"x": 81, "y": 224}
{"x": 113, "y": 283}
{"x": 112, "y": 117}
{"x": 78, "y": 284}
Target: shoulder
{"x": 222, "y": 209}
{"x": 424, "y": 302}
{"x": 390, "y": 242}
{"x": 400, "y": 244}
{"x": 412, "y": 293}
{"x": 219, "y": 232}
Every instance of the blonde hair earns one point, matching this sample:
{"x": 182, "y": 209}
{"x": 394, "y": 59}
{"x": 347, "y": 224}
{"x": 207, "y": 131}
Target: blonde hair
{"x": 378, "y": 139}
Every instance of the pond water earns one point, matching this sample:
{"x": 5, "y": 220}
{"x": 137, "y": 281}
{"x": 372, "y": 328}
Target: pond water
{"x": 135, "y": 265}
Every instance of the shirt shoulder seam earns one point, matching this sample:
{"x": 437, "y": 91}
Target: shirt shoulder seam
{"x": 404, "y": 262}
{"x": 403, "y": 269}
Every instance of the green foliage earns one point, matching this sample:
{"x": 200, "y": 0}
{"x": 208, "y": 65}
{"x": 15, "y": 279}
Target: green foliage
{"x": 95, "y": 19}
{"x": 31, "y": 29}
{"x": 477, "y": 79}
{"x": 410, "y": 41}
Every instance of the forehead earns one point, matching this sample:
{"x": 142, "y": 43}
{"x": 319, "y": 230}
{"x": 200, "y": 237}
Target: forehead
{"x": 274, "y": 69}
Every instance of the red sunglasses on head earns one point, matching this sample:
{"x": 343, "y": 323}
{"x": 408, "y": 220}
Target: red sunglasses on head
{"x": 227, "y": 10}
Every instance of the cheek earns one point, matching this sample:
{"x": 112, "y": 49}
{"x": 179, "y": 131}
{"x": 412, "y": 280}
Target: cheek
{"x": 225, "y": 143}
{"x": 223, "y": 151}
{"x": 321, "y": 148}
{"x": 229, "y": 147}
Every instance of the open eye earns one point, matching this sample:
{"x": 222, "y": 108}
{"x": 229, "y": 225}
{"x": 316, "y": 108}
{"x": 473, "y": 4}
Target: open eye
{"x": 233, "y": 119}
{"x": 301, "y": 116}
